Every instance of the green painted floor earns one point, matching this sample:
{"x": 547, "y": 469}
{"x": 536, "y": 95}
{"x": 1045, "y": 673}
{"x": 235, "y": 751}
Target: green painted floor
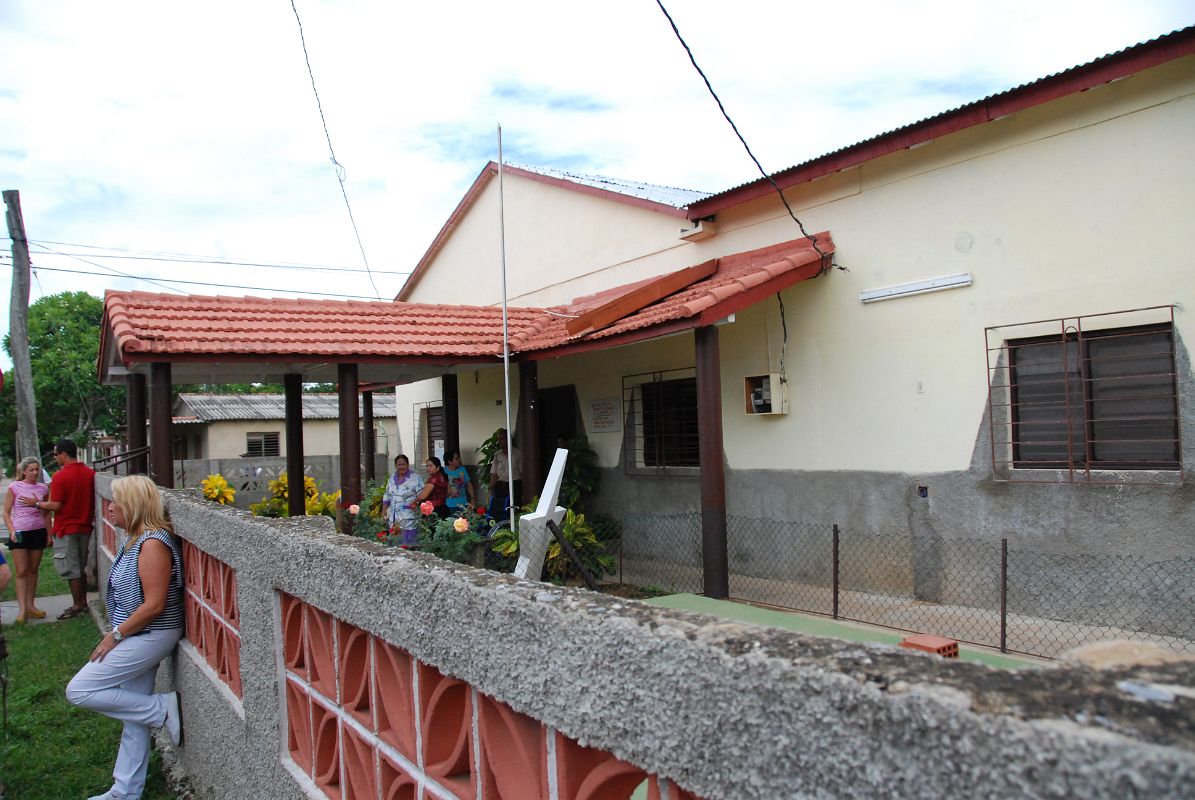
{"x": 821, "y": 626}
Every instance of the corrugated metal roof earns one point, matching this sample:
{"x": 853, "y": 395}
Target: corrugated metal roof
{"x": 668, "y": 195}
{"x": 222, "y": 407}
{"x": 1174, "y": 37}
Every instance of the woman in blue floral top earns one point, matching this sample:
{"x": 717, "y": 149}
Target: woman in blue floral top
{"x": 399, "y": 500}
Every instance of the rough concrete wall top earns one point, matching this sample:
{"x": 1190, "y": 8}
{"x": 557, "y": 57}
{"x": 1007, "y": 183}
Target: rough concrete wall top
{"x": 727, "y": 709}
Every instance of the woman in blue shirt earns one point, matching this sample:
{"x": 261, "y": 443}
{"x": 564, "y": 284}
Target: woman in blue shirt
{"x": 145, "y": 610}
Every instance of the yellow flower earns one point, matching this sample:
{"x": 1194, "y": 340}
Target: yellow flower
{"x": 460, "y": 525}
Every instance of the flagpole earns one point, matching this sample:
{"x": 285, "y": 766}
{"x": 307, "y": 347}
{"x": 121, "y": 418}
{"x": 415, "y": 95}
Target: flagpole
{"x": 510, "y": 472}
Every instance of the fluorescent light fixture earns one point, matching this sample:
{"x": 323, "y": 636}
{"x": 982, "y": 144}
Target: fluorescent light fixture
{"x": 916, "y": 287}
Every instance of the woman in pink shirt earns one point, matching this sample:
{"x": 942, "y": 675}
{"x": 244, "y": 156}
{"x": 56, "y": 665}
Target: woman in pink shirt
{"x": 27, "y": 536}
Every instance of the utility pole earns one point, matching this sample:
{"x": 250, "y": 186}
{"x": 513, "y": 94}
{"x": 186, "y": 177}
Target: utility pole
{"x": 18, "y": 330}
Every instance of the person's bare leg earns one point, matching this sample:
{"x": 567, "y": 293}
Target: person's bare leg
{"x": 31, "y": 583}
{"x": 79, "y": 593}
{"x": 20, "y": 567}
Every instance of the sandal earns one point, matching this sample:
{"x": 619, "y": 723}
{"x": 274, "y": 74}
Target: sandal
{"x": 36, "y": 613}
{"x": 71, "y": 613}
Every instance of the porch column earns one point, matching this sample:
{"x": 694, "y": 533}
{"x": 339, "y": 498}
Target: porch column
{"x": 452, "y": 413}
{"x": 529, "y": 429}
{"x": 135, "y": 414}
{"x": 713, "y": 480}
{"x": 296, "y": 503}
{"x": 367, "y": 443}
{"x": 161, "y": 439}
{"x": 350, "y": 443}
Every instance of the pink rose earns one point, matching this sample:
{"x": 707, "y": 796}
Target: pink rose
{"x": 354, "y": 509}
{"x": 427, "y": 508}
{"x": 460, "y": 525}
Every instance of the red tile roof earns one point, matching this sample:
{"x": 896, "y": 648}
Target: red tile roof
{"x": 141, "y": 327}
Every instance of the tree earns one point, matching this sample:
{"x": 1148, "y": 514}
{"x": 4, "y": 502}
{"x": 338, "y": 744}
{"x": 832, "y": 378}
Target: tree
{"x": 64, "y": 342}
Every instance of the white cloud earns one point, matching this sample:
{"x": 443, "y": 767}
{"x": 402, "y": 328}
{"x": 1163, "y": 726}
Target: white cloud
{"x": 193, "y": 129}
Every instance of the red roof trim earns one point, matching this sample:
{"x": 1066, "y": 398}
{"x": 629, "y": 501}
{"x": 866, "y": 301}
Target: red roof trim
{"x": 1077, "y": 79}
{"x": 482, "y": 180}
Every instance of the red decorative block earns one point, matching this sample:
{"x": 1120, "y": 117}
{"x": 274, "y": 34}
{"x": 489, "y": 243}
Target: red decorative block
{"x": 193, "y": 567}
{"x": 230, "y": 670}
{"x": 513, "y": 752}
{"x": 213, "y": 634}
{"x": 447, "y": 727}
{"x": 298, "y": 726}
{"x": 395, "y": 698}
{"x": 585, "y": 773}
{"x": 359, "y": 776}
{"x": 355, "y": 673}
{"x": 229, "y": 607}
{"x": 294, "y": 654}
{"x": 194, "y": 616}
{"x": 212, "y": 580}
{"x": 326, "y": 729}
{"x": 397, "y": 783}
{"x": 321, "y": 655}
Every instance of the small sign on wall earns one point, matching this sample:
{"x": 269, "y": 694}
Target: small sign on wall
{"x": 605, "y": 415}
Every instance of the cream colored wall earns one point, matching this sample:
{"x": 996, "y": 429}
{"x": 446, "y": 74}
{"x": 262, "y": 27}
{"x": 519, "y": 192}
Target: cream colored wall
{"x": 1077, "y": 207}
{"x": 321, "y": 437}
{"x": 553, "y": 236}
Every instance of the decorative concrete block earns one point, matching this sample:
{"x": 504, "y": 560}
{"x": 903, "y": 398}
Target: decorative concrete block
{"x": 513, "y": 752}
{"x": 355, "y": 673}
{"x": 359, "y": 776}
{"x": 446, "y": 725}
{"x": 326, "y": 729}
{"x": 397, "y": 783}
{"x": 585, "y": 773}
{"x": 294, "y": 651}
{"x": 394, "y": 698}
{"x": 321, "y": 655}
{"x": 298, "y": 726}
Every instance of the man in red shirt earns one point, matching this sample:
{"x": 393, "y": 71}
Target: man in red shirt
{"x": 72, "y": 499}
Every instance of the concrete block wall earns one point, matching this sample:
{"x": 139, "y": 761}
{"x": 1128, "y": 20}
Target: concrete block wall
{"x": 577, "y": 694}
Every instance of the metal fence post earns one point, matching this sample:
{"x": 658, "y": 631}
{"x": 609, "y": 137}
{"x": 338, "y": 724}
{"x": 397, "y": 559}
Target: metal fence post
{"x": 834, "y": 556}
{"x": 1004, "y": 595}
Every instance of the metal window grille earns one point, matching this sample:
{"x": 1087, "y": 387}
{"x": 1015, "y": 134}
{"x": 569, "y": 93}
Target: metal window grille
{"x": 660, "y": 425}
{"x": 1086, "y": 402}
{"x": 262, "y": 445}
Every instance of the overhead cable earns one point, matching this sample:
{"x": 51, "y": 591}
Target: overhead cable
{"x": 340, "y": 174}
{"x": 812, "y": 239}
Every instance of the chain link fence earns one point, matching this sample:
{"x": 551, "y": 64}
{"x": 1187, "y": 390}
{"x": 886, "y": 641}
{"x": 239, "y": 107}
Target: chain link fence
{"x": 1011, "y": 594}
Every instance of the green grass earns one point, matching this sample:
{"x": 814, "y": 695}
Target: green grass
{"x": 54, "y": 750}
{"x": 48, "y": 582}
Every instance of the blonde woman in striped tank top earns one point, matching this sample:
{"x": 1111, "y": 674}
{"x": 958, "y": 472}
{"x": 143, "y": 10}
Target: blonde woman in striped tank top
{"x": 145, "y": 610}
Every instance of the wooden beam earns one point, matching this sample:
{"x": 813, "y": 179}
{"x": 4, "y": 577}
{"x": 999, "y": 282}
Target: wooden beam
{"x": 136, "y": 434}
{"x": 296, "y": 501}
{"x": 714, "y": 560}
{"x": 161, "y": 437}
{"x": 350, "y": 443}
{"x": 640, "y": 298}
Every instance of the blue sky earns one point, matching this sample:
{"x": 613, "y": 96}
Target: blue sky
{"x": 163, "y": 128}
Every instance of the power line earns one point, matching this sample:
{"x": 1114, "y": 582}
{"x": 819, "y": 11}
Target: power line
{"x": 101, "y": 266}
{"x": 340, "y": 173}
{"x": 234, "y": 263}
{"x": 207, "y": 283}
{"x": 812, "y": 239}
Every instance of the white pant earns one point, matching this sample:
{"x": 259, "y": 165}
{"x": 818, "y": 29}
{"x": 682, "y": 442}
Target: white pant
{"x": 121, "y": 686}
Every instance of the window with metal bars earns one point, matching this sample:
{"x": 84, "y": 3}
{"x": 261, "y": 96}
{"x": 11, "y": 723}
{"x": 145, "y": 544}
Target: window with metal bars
{"x": 262, "y": 445}
{"x": 660, "y": 428}
{"x": 1095, "y": 400}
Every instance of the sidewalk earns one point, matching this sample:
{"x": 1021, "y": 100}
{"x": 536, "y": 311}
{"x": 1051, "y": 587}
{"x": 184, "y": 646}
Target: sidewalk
{"x": 53, "y": 606}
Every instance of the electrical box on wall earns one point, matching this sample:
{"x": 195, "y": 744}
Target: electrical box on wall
{"x": 765, "y": 394}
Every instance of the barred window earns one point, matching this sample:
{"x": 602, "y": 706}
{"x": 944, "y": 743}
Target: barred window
{"x": 1097, "y": 400}
{"x": 261, "y": 445}
{"x": 661, "y": 422}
